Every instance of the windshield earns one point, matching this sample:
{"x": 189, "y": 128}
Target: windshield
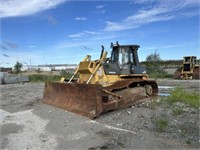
{"x": 121, "y": 55}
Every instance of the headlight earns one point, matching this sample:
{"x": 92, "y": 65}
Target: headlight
{"x": 144, "y": 72}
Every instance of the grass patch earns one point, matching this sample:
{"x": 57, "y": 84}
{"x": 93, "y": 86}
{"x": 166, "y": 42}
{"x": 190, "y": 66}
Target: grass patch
{"x": 160, "y": 124}
{"x": 180, "y": 95}
{"x": 43, "y": 78}
{"x": 177, "y": 111}
{"x": 160, "y": 75}
{"x": 48, "y": 77}
{"x": 154, "y": 104}
{"x": 158, "y": 102}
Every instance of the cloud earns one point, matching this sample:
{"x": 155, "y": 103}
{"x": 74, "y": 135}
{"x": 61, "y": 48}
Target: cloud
{"x": 78, "y": 35}
{"x": 5, "y": 55}
{"x": 25, "y": 56}
{"x": 14, "y": 8}
{"x": 81, "y": 18}
{"x": 170, "y": 46}
{"x": 32, "y": 46}
{"x": 3, "y": 47}
{"x": 90, "y": 32}
{"x": 100, "y": 9}
{"x": 10, "y": 44}
{"x": 6, "y": 45}
{"x": 100, "y": 6}
{"x": 83, "y": 34}
{"x": 84, "y": 47}
{"x": 162, "y": 11}
{"x": 142, "y": 1}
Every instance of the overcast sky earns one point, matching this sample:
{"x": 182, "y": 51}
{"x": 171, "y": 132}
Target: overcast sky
{"x": 63, "y": 32}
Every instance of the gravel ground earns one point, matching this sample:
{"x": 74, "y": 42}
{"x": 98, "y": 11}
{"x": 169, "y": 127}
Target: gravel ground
{"x": 26, "y": 123}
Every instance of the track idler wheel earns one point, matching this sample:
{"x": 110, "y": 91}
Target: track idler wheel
{"x": 148, "y": 89}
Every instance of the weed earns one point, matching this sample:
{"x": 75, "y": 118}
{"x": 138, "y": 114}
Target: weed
{"x": 177, "y": 111}
{"x": 160, "y": 124}
{"x": 153, "y": 105}
{"x": 158, "y": 102}
{"x": 44, "y": 78}
{"x": 65, "y": 74}
{"x": 160, "y": 75}
{"x": 188, "y": 141}
{"x": 180, "y": 95}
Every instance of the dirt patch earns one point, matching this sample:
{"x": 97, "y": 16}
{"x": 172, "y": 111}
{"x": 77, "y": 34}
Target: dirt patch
{"x": 188, "y": 85}
{"x": 10, "y": 128}
{"x": 153, "y": 124}
{"x": 18, "y": 97}
{"x": 6, "y": 129}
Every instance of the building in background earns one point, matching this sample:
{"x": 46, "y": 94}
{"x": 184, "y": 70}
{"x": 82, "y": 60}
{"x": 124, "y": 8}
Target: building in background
{"x": 50, "y": 67}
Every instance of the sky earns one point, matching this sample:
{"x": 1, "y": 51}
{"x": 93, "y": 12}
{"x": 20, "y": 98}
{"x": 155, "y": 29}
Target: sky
{"x": 38, "y": 32}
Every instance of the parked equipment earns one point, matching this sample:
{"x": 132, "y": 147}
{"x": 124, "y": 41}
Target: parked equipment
{"x": 104, "y": 84}
{"x": 189, "y": 70}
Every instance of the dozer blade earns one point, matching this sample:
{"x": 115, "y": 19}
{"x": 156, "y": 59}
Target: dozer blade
{"x": 82, "y": 99}
{"x": 91, "y": 100}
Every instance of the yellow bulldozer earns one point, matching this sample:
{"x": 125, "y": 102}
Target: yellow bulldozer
{"x": 189, "y": 69}
{"x": 103, "y": 85}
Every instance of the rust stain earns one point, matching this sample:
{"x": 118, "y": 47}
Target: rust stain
{"x": 91, "y": 100}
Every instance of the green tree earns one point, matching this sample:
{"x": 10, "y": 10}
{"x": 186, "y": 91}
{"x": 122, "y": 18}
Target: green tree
{"x": 17, "y": 67}
{"x": 153, "y": 63}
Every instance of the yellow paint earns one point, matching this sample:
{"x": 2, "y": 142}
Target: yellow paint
{"x": 92, "y": 72}
{"x": 88, "y": 68}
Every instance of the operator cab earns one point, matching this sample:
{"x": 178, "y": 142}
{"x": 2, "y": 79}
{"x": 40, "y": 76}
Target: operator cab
{"x": 124, "y": 60}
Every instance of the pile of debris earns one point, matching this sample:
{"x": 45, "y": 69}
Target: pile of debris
{"x": 6, "y": 78}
